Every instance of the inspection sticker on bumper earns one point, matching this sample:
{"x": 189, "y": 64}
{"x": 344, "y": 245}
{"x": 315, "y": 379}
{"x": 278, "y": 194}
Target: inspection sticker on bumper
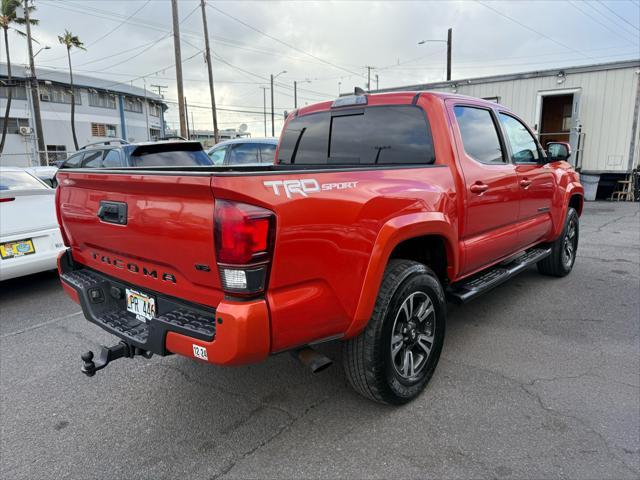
{"x": 200, "y": 352}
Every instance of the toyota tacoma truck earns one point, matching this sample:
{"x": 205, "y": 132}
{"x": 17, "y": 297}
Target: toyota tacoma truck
{"x": 379, "y": 209}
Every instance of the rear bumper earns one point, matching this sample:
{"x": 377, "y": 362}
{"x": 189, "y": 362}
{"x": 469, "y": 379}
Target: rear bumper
{"x": 234, "y": 333}
{"x": 47, "y": 251}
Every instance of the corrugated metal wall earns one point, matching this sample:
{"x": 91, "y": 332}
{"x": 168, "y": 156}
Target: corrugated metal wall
{"x": 606, "y": 110}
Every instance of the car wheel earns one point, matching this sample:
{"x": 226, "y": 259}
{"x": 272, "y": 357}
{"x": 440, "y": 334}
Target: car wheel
{"x": 564, "y": 249}
{"x": 393, "y": 359}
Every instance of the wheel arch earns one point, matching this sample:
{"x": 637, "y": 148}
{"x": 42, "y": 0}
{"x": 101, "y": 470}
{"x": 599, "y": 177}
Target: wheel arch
{"x": 423, "y": 237}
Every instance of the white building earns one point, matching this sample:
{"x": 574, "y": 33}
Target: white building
{"x": 595, "y": 107}
{"x": 104, "y": 109}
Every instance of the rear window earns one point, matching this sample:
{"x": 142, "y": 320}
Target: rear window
{"x": 366, "y": 136}
{"x": 20, "y": 181}
{"x": 243, "y": 154}
{"x": 169, "y": 155}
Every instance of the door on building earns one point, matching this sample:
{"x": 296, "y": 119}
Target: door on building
{"x": 489, "y": 230}
{"x": 558, "y": 118}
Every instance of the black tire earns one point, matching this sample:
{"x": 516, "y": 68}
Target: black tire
{"x": 369, "y": 362}
{"x": 561, "y": 261}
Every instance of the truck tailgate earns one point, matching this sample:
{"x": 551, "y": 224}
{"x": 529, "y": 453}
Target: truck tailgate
{"x": 165, "y": 243}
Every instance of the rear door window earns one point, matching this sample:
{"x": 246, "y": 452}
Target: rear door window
{"x": 92, "y": 159}
{"x": 112, "y": 159}
{"x": 244, "y": 153}
{"x": 366, "y": 136}
{"x": 268, "y": 153}
{"x": 479, "y": 134}
{"x": 73, "y": 161}
{"x": 15, "y": 180}
{"x": 217, "y": 155}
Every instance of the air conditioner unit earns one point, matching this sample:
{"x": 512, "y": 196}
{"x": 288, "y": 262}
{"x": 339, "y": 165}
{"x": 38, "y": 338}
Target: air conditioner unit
{"x": 45, "y": 97}
{"x": 26, "y": 131}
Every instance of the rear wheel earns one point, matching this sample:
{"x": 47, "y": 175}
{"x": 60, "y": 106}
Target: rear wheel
{"x": 564, "y": 249}
{"x": 393, "y": 359}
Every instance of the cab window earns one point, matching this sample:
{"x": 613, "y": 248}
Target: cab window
{"x": 112, "y": 159}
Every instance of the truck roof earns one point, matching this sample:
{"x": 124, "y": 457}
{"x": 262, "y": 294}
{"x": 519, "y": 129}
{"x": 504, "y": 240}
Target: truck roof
{"x": 390, "y": 98}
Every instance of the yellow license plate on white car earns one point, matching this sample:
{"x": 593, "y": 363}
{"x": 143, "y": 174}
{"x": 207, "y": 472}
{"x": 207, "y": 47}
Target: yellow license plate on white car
{"x": 17, "y": 248}
{"x": 141, "y": 305}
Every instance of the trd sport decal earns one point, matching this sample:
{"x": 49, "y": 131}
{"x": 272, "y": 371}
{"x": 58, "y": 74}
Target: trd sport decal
{"x": 305, "y": 186}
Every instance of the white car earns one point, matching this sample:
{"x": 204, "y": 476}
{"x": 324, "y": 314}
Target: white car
{"x": 30, "y": 239}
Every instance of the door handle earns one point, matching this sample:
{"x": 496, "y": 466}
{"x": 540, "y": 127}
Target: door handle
{"x": 525, "y": 183}
{"x": 479, "y": 188}
{"x": 113, "y": 212}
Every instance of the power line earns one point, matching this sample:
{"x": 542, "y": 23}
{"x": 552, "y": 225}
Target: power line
{"x": 616, "y": 14}
{"x": 523, "y": 25}
{"x": 118, "y": 26}
{"x": 596, "y": 20}
{"x": 282, "y": 42}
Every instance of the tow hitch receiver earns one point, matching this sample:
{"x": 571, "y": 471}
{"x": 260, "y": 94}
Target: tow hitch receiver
{"x": 107, "y": 355}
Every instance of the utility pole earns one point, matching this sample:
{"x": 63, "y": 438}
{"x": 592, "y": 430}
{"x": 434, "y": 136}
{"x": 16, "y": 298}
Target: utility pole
{"x": 216, "y": 133}
{"x": 264, "y": 103}
{"x": 160, "y": 89}
{"x": 368, "y": 79}
{"x": 42, "y": 157}
{"x": 186, "y": 119}
{"x": 295, "y": 94}
{"x": 146, "y": 108}
{"x": 377, "y": 82}
{"x": 178, "y": 56}
{"x": 273, "y": 126}
{"x": 449, "y": 35}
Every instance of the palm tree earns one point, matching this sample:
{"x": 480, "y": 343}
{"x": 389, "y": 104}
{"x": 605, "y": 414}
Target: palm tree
{"x": 7, "y": 17}
{"x": 71, "y": 41}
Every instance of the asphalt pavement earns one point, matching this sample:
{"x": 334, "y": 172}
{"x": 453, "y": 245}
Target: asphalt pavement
{"x": 538, "y": 379}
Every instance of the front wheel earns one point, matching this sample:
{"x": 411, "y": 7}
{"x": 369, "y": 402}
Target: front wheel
{"x": 564, "y": 249}
{"x": 393, "y": 359}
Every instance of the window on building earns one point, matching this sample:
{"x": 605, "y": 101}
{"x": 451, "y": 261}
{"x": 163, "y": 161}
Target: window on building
{"x": 132, "y": 104}
{"x": 56, "y": 153}
{"x": 154, "y": 109}
{"x": 103, "y": 130}
{"x": 523, "y": 145}
{"x": 479, "y": 135}
{"x": 102, "y": 99}
{"x": 365, "y": 136}
{"x": 18, "y": 92}
{"x": 154, "y": 133}
{"x": 14, "y": 124}
{"x": 59, "y": 94}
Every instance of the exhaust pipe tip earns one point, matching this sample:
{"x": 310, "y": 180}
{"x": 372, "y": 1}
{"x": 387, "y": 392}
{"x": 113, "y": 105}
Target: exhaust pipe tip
{"x": 312, "y": 359}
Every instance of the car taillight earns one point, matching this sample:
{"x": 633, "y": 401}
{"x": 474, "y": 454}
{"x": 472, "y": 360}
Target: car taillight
{"x": 244, "y": 243}
{"x": 63, "y": 234}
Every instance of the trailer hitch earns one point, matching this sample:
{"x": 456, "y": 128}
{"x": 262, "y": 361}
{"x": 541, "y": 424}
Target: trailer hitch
{"x": 109, "y": 354}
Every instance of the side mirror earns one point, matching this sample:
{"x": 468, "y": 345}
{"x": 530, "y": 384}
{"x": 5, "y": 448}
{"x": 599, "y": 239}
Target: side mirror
{"x": 557, "y": 151}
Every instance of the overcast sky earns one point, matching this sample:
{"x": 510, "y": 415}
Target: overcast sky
{"x": 325, "y": 46}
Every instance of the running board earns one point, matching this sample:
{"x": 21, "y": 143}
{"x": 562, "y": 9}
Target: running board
{"x": 468, "y": 289}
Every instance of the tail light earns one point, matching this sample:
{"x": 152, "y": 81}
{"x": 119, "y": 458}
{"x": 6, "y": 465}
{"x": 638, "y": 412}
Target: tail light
{"x": 65, "y": 239}
{"x": 244, "y": 245}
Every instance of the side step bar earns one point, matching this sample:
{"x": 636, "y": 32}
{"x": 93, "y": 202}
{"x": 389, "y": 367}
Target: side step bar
{"x": 468, "y": 289}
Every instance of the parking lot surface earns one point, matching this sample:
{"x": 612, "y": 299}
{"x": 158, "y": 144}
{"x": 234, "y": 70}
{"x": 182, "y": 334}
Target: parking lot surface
{"x": 539, "y": 378}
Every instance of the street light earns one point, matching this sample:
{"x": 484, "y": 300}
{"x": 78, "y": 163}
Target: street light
{"x": 47, "y": 47}
{"x": 448, "y": 42}
{"x": 273, "y": 126}
{"x": 295, "y": 91}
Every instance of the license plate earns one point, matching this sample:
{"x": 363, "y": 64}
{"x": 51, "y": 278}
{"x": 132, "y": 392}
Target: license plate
{"x": 17, "y": 248}
{"x": 141, "y": 305}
